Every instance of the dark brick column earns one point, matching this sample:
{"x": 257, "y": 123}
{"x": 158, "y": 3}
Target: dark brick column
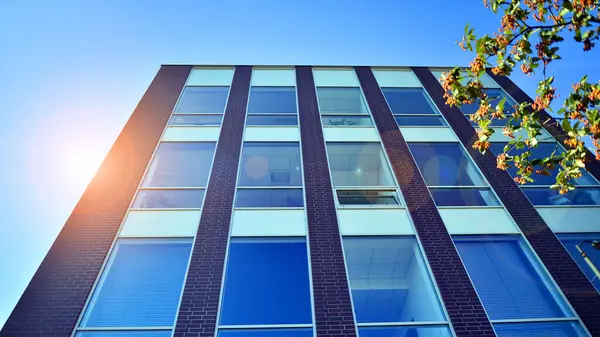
{"x": 580, "y": 292}
{"x": 462, "y": 303}
{"x": 552, "y": 127}
{"x": 333, "y": 306}
{"x": 52, "y": 303}
{"x": 197, "y": 315}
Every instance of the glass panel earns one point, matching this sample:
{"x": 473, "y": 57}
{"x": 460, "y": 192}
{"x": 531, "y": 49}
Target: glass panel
{"x": 546, "y": 329}
{"x": 507, "y": 280}
{"x": 341, "y": 101}
{"x": 358, "y": 164}
{"x": 280, "y": 197}
{"x": 128, "y": 333}
{"x": 196, "y": 120}
{"x": 203, "y": 100}
{"x": 420, "y": 121}
{"x": 543, "y": 150}
{"x": 346, "y": 121}
{"x": 169, "y": 199}
{"x": 571, "y": 240}
{"x": 270, "y": 164}
{"x": 272, "y": 100}
{"x": 266, "y": 283}
{"x": 141, "y": 285}
{"x": 366, "y": 197}
{"x": 464, "y": 197}
{"x": 180, "y": 164}
{"x": 405, "y": 331}
{"x": 445, "y": 164}
{"x": 389, "y": 281}
{"x": 495, "y": 96}
{"x": 267, "y": 333}
{"x": 547, "y": 196}
{"x": 271, "y": 120}
{"x": 408, "y": 101}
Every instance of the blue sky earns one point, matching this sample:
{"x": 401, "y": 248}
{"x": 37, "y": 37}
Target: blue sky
{"x": 72, "y": 71}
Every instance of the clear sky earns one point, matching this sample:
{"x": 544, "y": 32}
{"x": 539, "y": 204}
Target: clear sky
{"x": 72, "y": 71}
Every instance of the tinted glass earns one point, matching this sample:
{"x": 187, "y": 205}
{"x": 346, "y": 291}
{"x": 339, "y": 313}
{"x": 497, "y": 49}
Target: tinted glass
{"x": 180, "y": 164}
{"x": 408, "y": 101}
{"x": 271, "y": 120}
{"x": 128, "y": 333}
{"x": 272, "y": 100}
{"x": 169, "y": 199}
{"x": 270, "y": 164}
{"x": 405, "y": 331}
{"x": 506, "y": 279}
{"x": 196, "y": 120}
{"x": 269, "y": 198}
{"x": 495, "y": 96}
{"x": 464, "y": 197}
{"x": 367, "y": 198}
{"x": 203, "y": 100}
{"x": 571, "y": 240}
{"x": 546, "y": 329}
{"x": 267, "y": 333}
{"x": 358, "y": 164}
{"x": 550, "y": 197}
{"x": 389, "y": 281}
{"x": 141, "y": 285}
{"x": 445, "y": 164}
{"x": 341, "y": 101}
{"x": 346, "y": 121}
{"x": 266, "y": 283}
{"x": 420, "y": 121}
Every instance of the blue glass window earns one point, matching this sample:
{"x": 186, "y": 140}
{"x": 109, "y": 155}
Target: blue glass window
{"x": 346, "y": 101}
{"x": 141, "y": 285}
{"x": 262, "y": 197}
{"x": 276, "y": 100}
{"x": 464, "y": 197}
{"x": 180, "y": 164}
{"x": 495, "y": 96}
{"x": 571, "y": 240}
{"x": 169, "y": 199}
{"x": 445, "y": 164}
{"x": 420, "y": 121}
{"x": 271, "y": 120}
{"x": 367, "y": 197}
{"x": 545, "y": 329}
{"x": 408, "y": 101}
{"x": 266, "y": 282}
{"x": 196, "y": 120}
{"x": 266, "y": 333}
{"x": 389, "y": 280}
{"x": 270, "y": 164}
{"x": 346, "y": 121}
{"x": 128, "y": 333}
{"x": 405, "y": 331}
{"x": 211, "y": 100}
{"x": 506, "y": 278}
{"x": 550, "y": 197}
{"x": 358, "y": 164}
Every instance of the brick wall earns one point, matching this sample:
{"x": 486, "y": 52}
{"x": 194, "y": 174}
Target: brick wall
{"x": 464, "y": 308}
{"x": 197, "y": 315}
{"x": 332, "y": 303}
{"x": 52, "y": 303}
{"x": 580, "y": 292}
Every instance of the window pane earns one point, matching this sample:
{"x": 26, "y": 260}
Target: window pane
{"x": 141, "y": 285}
{"x": 203, "y": 100}
{"x": 266, "y": 283}
{"x": 408, "y": 101}
{"x": 366, "y": 197}
{"x": 445, "y": 164}
{"x": 196, "y": 120}
{"x": 420, "y": 121}
{"x": 358, "y": 164}
{"x": 405, "y": 331}
{"x": 346, "y": 121}
{"x": 495, "y": 96}
{"x": 571, "y": 240}
{"x": 464, "y": 197}
{"x": 169, "y": 199}
{"x": 267, "y": 333}
{"x": 389, "y": 281}
{"x": 185, "y": 164}
{"x": 546, "y": 329}
{"x": 505, "y": 278}
{"x": 271, "y": 120}
{"x": 128, "y": 333}
{"x": 279, "y": 197}
{"x": 547, "y": 196}
{"x": 341, "y": 101}
{"x": 272, "y": 100}
{"x": 270, "y": 164}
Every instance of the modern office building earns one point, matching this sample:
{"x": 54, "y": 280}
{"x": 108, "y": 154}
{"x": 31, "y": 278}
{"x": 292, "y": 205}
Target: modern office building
{"x": 304, "y": 201}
